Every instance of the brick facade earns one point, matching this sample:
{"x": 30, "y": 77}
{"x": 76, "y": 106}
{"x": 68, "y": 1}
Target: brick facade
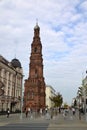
{"x": 34, "y": 94}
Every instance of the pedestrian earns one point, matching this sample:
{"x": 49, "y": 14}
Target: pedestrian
{"x": 64, "y": 113}
{"x": 46, "y": 109}
{"x": 73, "y": 110}
{"x": 40, "y": 111}
{"x": 26, "y": 112}
{"x": 29, "y": 110}
{"x": 8, "y": 112}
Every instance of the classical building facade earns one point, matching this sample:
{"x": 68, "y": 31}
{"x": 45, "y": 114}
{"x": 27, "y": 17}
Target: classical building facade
{"x": 50, "y": 92}
{"x": 34, "y": 93}
{"x": 11, "y": 76}
{"x": 85, "y": 86}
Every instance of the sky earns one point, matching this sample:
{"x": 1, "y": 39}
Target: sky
{"x": 63, "y": 33}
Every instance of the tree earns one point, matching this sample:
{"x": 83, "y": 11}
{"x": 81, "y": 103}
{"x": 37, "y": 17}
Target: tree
{"x": 58, "y": 100}
{"x": 66, "y": 105}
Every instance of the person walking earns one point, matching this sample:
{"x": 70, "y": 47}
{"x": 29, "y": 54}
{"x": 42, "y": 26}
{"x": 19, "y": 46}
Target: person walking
{"x": 73, "y": 111}
{"x": 8, "y": 112}
{"x": 64, "y": 113}
{"x": 26, "y": 112}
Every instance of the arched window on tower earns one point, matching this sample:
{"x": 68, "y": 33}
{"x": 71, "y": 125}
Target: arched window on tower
{"x": 35, "y": 72}
{"x": 35, "y": 49}
{"x": 28, "y": 95}
{"x": 32, "y": 95}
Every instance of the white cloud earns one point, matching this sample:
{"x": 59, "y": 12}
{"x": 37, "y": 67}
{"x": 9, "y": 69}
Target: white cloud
{"x": 83, "y": 6}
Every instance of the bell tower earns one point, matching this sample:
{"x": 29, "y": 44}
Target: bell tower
{"x": 34, "y": 94}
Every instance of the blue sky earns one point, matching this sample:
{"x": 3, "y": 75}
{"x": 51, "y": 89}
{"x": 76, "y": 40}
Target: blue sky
{"x": 63, "y": 32}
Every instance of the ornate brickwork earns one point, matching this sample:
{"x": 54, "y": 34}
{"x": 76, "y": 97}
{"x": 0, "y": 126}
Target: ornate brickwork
{"x": 34, "y": 94}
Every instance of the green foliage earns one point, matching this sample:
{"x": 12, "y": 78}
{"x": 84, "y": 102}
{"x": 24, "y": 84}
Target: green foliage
{"x": 57, "y": 100}
{"x": 66, "y": 105}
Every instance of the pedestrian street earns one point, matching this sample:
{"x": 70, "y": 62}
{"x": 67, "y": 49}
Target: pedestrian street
{"x": 42, "y": 123}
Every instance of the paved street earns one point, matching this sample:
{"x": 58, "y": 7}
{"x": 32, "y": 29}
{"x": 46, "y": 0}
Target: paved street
{"x": 30, "y": 126}
{"x": 41, "y": 123}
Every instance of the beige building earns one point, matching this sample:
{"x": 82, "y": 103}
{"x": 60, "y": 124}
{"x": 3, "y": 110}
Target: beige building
{"x": 85, "y": 89}
{"x": 50, "y": 92}
{"x": 11, "y": 77}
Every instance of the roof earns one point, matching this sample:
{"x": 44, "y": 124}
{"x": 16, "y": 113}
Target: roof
{"x": 16, "y": 63}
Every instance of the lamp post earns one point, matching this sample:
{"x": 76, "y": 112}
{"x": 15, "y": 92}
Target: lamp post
{"x": 80, "y": 107}
{"x": 21, "y": 115}
{"x": 79, "y": 95}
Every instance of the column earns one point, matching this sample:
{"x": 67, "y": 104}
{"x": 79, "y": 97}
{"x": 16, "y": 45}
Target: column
{"x": 2, "y": 74}
{"x": 7, "y": 78}
{"x": 11, "y": 78}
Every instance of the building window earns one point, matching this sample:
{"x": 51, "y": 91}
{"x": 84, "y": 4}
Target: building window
{"x": 35, "y": 49}
{"x": 35, "y": 72}
{"x": 8, "y": 92}
{"x": 32, "y": 96}
{"x": 12, "y": 91}
{"x": 28, "y": 95}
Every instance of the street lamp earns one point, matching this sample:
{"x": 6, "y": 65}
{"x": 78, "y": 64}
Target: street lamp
{"x": 79, "y": 95}
{"x": 21, "y": 116}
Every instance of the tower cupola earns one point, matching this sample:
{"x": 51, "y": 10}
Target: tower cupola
{"x": 36, "y": 30}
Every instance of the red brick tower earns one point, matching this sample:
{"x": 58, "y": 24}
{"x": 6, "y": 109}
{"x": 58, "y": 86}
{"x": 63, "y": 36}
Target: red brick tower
{"x": 34, "y": 94}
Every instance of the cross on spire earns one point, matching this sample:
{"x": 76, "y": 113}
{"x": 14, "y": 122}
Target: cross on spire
{"x": 36, "y": 21}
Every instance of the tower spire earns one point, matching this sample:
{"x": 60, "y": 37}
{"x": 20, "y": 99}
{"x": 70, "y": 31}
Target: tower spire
{"x": 36, "y": 29}
{"x": 36, "y": 26}
{"x": 36, "y": 21}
